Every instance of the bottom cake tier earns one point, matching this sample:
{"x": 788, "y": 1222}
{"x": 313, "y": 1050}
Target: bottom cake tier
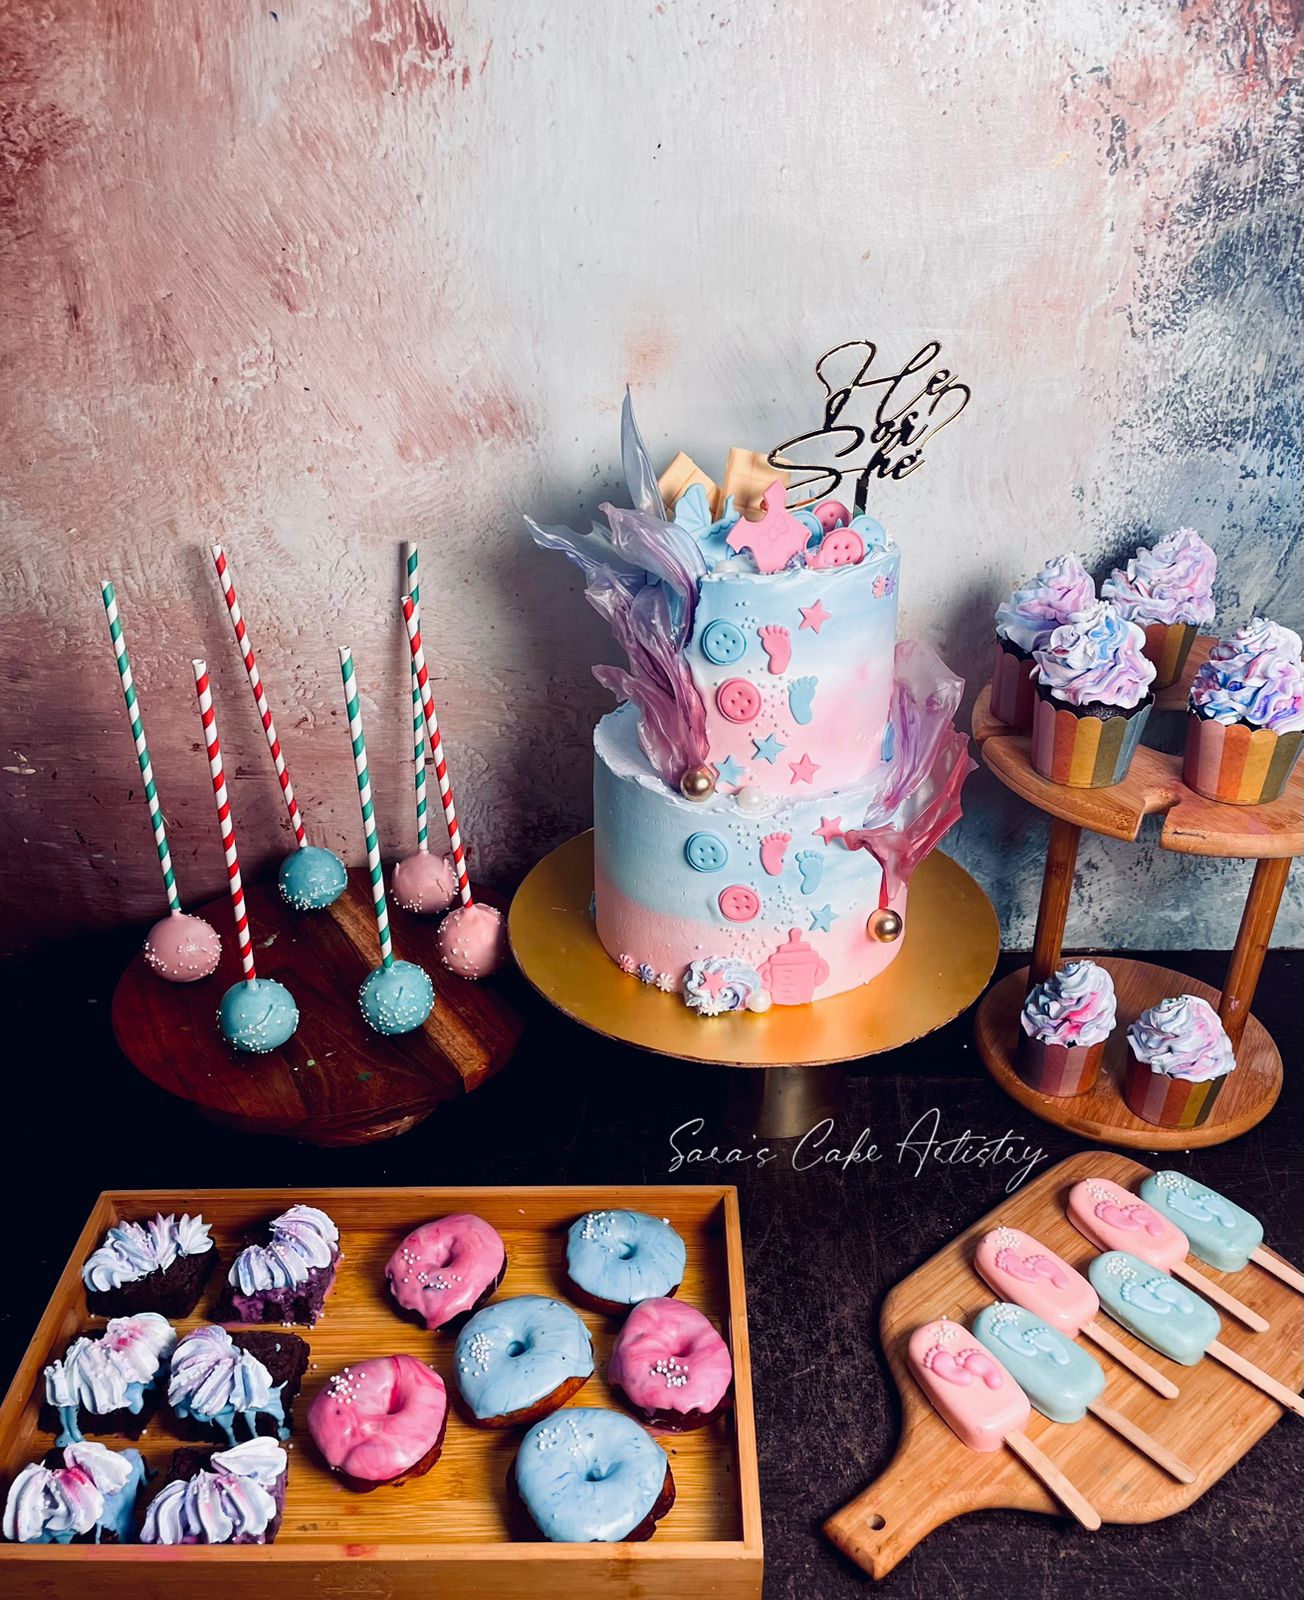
{"x": 678, "y": 882}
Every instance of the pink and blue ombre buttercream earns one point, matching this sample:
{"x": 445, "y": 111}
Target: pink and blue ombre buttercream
{"x": 1255, "y": 677}
{"x": 1031, "y": 614}
{"x": 1095, "y": 658}
{"x": 1171, "y": 583}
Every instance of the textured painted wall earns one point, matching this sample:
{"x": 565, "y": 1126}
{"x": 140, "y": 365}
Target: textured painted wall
{"x": 313, "y": 278}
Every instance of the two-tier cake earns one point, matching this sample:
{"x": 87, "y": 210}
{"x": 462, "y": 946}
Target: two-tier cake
{"x": 780, "y": 765}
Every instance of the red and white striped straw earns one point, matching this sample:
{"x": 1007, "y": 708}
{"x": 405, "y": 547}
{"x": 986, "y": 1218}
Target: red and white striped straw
{"x": 436, "y": 748}
{"x": 260, "y": 696}
{"x": 204, "y": 691}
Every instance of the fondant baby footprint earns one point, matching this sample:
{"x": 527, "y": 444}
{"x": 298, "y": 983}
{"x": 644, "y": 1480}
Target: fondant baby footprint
{"x": 810, "y": 863}
{"x": 945, "y": 1365}
{"x": 1144, "y": 1298}
{"x": 801, "y": 699}
{"x": 1202, "y": 1207}
{"x": 981, "y": 1365}
{"x": 1044, "y": 1342}
{"x": 777, "y": 644}
{"x": 773, "y": 847}
{"x": 1176, "y": 1297}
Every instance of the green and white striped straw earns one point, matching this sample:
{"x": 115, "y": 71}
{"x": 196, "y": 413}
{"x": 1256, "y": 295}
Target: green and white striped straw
{"x": 142, "y": 749}
{"x": 418, "y": 717}
{"x": 368, "y": 809}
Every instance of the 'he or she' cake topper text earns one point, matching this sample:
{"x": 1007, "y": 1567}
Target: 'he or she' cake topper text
{"x": 914, "y": 403}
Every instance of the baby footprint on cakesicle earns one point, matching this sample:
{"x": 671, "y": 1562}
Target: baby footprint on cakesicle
{"x": 801, "y": 699}
{"x": 810, "y": 863}
{"x": 773, "y": 848}
{"x": 777, "y": 644}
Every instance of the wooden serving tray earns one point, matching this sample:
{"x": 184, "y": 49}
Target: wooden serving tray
{"x": 446, "y": 1533}
{"x": 1212, "y": 1423}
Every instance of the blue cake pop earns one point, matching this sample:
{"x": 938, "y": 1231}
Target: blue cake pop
{"x": 258, "y": 1015}
{"x": 398, "y": 998}
{"x": 312, "y": 878}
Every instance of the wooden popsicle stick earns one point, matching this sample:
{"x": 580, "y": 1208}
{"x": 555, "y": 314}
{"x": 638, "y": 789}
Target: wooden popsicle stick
{"x": 1070, "y": 1498}
{"x": 1261, "y": 1380}
{"x": 1137, "y": 1365}
{"x": 1224, "y": 1301}
{"x": 1279, "y": 1268}
{"x": 1140, "y": 1440}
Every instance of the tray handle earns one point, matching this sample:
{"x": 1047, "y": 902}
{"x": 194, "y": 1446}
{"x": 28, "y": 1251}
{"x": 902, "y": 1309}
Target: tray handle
{"x": 884, "y": 1523}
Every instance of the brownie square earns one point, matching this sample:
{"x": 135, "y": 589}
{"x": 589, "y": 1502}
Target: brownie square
{"x": 302, "y": 1304}
{"x": 190, "y": 1460}
{"x": 120, "y": 1423}
{"x": 285, "y": 1355}
{"x": 173, "y": 1293}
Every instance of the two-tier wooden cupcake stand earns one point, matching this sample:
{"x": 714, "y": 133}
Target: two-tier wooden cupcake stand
{"x": 1269, "y": 835}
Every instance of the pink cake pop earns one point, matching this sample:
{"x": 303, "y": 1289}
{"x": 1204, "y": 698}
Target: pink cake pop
{"x": 182, "y": 948}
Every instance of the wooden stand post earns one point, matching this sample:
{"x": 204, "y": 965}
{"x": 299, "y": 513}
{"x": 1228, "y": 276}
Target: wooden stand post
{"x": 1266, "y": 889}
{"x": 1056, "y": 892}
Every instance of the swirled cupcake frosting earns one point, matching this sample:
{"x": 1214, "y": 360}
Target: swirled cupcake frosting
{"x": 302, "y": 1238}
{"x": 1173, "y": 582}
{"x": 1095, "y": 658}
{"x": 1182, "y": 1038}
{"x": 232, "y": 1498}
{"x": 1074, "y": 1006}
{"x": 132, "y": 1250}
{"x": 1029, "y": 616}
{"x": 1256, "y": 676}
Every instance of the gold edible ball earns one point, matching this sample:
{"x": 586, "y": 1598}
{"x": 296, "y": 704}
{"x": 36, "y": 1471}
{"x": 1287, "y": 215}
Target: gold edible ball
{"x": 698, "y": 783}
{"x": 884, "y": 926}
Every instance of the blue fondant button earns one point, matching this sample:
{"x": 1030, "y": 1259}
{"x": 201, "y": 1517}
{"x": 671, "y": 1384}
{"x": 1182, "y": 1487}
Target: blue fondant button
{"x": 706, "y": 852}
{"x": 723, "y": 643}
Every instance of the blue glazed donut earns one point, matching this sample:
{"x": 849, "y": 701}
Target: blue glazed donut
{"x": 593, "y": 1477}
{"x": 519, "y": 1359}
{"x": 614, "y": 1259}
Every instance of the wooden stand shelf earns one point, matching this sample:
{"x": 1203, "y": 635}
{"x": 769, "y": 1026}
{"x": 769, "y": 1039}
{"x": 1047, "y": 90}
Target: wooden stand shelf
{"x": 1269, "y": 835}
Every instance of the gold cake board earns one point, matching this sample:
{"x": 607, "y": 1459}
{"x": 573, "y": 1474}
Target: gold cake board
{"x": 948, "y": 953}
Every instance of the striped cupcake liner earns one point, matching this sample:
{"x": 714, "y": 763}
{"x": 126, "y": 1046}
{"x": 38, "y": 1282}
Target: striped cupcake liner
{"x": 1058, "y": 1069}
{"x": 1014, "y": 688}
{"x": 1168, "y": 644}
{"x": 1079, "y": 749}
{"x": 1169, "y": 1102}
{"x": 1237, "y": 764}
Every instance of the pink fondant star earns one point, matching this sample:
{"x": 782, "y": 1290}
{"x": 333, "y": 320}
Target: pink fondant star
{"x": 830, "y": 828}
{"x": 776, "y": 537}
{"x": 804, "y": 770}
{"x": 814, "y": 617}
{"x": 713, "y": 982}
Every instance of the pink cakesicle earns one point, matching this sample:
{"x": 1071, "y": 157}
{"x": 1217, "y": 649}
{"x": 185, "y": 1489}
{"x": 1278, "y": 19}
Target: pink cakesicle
{"x": 1113, "y": 1218}
{"x": 983, "y": 1406}
{"x": 1023, "y": 1270}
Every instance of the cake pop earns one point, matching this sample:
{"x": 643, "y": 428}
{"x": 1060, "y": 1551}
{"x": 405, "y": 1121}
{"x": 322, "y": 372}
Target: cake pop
{"x": 178, "y": 947}
{"x": 255, "y": 1014}
{"x": 313, "y": 877}
{"x": 396, "y": 996}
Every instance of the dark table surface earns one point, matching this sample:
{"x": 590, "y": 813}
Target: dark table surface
{"x": 823, "y": 1247}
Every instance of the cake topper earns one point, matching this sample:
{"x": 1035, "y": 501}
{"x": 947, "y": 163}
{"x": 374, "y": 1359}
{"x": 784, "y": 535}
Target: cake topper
{"x": 913, "y": 405}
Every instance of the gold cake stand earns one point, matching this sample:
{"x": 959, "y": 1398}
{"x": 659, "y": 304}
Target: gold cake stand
{"x": 947, "y": 956}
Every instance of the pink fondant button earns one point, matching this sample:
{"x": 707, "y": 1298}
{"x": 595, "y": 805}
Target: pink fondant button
{"x": 739, "y": 903}
{"x": 738, "y": 700}
{"x": 841, "y": 548}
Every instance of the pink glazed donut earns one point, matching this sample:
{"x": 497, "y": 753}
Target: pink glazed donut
{"x": 670, "y": 1366}
{"x": 380, "y": 1421}
{"x": 446, "y": 1269}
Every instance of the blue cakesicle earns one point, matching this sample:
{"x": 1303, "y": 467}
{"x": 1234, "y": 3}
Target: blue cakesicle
{"x": 1058, "y": 1376}
{"x": 1154, "y": 1306}
{"x": 1220, "y": 1232}
{"x": 397, "y": 999}
{"x": 257, "y": 1016}
{"x": 312, "y": 878}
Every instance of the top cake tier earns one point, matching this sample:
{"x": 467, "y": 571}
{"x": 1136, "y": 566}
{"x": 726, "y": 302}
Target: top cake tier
{"x": 795, "y": 672}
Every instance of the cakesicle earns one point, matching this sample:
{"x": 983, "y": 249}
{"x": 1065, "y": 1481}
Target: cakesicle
{"x": 1219, "y": 1231}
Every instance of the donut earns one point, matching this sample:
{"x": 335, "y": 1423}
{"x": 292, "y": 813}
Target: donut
{"x": 590, "y": 1476}
{"x": 614, "y": 1259}
{"x": 670, "y": 1366}
{"x": 519, "y": 1359}
{"x": 446, "y": 1269}
{"x": 380, "y": 1421}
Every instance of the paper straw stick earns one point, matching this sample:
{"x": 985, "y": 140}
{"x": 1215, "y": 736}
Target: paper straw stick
{"x": 368, "y": 809}
{"x": 437, "y": 748}
{"x": 260, "y": 696}
{"x": 142, "y": 749}
{"x": 203, "y": 690}
{"x": 418, "y": 717}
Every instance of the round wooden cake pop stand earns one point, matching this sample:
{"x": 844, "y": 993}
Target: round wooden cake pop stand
{"x": 949, "y": 950}
{"x": 336, "y": 1082}
{"x": 1269, "y": 835}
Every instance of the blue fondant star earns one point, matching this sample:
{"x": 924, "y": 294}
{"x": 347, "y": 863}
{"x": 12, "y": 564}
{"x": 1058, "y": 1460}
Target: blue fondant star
{"x": 729, "y": 770}
{"x": 768, "y": 748}
{"x": 822, "y": 921}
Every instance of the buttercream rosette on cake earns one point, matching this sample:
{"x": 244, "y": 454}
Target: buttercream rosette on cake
{"x": 1181, "y": 1058}
{"x": 1168, "y": 592}
{"x": 781, "y": 763}
{"x": 1065, "y": 1022}
{"x": 1093, "y": 698}
{"x": 1024, "y": 623}
{"x": 1246, "y": 722}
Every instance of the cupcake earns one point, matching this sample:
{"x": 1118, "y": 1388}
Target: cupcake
{"x": 1024, "y": 623}
{"x": 1065, "y": 1022}
{"x": 1247, "y": 716}
{"x": 1093, "y": 698}
{"x": 1181, "y": 1060}
{"x": 1168, "y": 592}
